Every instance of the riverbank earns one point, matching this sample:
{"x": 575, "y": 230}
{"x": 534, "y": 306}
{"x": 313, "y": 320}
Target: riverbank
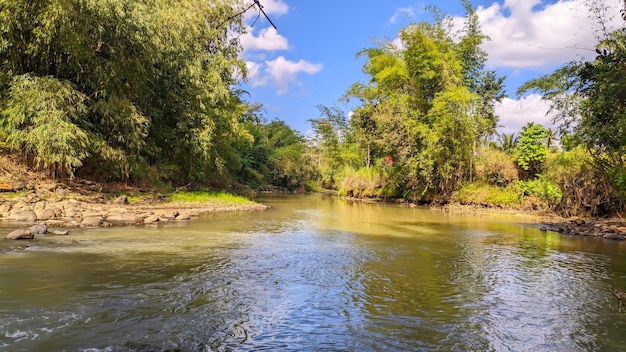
{"x": 607, "y": 228}
{"x": 54, "y": 208}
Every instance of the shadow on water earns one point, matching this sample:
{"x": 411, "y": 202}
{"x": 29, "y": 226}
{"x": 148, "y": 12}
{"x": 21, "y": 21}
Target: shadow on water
{"x": 314, "y": 273}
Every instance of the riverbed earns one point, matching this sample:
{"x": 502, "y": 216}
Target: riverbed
{"x": 314, "y": 273}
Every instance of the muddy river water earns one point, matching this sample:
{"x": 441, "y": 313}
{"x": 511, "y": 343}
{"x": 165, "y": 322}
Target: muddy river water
{"x": 314, "y": 273}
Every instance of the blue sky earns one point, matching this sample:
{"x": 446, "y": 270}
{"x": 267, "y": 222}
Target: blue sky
{"x": 310, "y": 59}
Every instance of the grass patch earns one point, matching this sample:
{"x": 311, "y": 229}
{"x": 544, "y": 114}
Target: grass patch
{"x": 215, "y": 198}
{"x": 487, "y": 195}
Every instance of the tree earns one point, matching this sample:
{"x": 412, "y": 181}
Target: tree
{"x": 589, "y": 99}
{"x": 418, "y": 108}
{"x": 532, "y": 149}
{"x": 508, "y": 142}
{"x": 122, "y": 86}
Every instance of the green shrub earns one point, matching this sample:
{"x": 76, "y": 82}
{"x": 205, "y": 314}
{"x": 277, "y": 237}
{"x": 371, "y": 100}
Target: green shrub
{"x": 495, "y": 167}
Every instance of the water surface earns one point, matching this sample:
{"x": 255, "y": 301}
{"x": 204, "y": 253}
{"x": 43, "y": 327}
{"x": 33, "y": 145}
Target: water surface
{"x": 314, "y": 273}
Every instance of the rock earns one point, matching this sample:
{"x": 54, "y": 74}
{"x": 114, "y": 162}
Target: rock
{"x": 73, "y": 213}
{"x": 127, "y": 218}
{"x": 121, "y": 200}
{"x": 20, "y": 234}
{"x": 55, "y": 223}
{"x": 151, "y": 219}
{"x": 168, "y": 214}
{"x": 613, "y": 236}
{"x": 46, "y": 214}
{"x": 39, "y": 229}
{"x": 61, "y": 232}
{"x": 92, "y": 221}
{"x": 23, "y": 215}
{"x": 92, "y": 213}
{"x": 183, "y": 216}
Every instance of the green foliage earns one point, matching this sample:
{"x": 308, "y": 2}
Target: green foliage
{"x": 362, "y": 183}
{"x": 39, "y": 118}
{"x": 589, "y": 99}
{"x": 209, "y": 198}
{"x": 495, "y": 167}
{"x": 488, "y": 195}
{"x": 532, "y": 149}
{"x": 274, "y": 157}
{"x": 119, "y": 83}
{"x": 423, "y": 107}
{"x": 540, "y": 187}
{"x": 508, "y": 142}
{"x": 585, "y": 190}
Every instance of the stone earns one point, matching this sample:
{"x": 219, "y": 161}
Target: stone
{"x": 39, "y": 229}
{"x": 61, "y": 232}
{"x": 91, "y": 213}
{"x": 46, "y": 214}
{"x": 55, "y": 223}
{"x": 613, "y": 236}
{"x": 73, "y": 213}
{"x": 183, "y": 216}
{"x": 23, "y": 215}
{"x": 20, "y": 234}
{"x": 121, "y": 200}
{"x": 92, "y": 221}
{"x": 151, "y": 219}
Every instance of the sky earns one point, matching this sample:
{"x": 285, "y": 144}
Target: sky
{"x": 311, "y": 58}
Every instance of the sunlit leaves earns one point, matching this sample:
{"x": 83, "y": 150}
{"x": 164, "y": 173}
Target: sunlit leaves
{"x": 155, "y": 80}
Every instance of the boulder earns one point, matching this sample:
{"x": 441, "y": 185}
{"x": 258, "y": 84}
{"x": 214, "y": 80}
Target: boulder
{"x": 61, "y": 232}
{"x": 92, "y": 221}
{"x": 151, "y": 219}
{"x": 39, "y": 229}
{"x": 46, "y": 214}
{"x": 127, "y": 218}
{"x": 20, "y": 234}
{"x": 183, "y": 216}
{"x": 73, "y": 213}
{"x": 23, "y": 215}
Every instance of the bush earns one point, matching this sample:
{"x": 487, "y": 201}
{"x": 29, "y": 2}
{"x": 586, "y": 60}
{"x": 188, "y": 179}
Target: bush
{"x": 543, "y": 189}
{"x": 495, "y": 167}
{"x": 488, "y": 195}
{"x": 363, "y": 183}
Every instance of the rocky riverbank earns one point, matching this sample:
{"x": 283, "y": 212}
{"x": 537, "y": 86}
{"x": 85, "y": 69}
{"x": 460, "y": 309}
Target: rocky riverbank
{"x": 40, "y": 212}
{"x": 610, "y": 229}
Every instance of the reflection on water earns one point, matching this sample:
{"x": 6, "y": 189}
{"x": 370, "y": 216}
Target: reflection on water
{"x": 314, "y": 273}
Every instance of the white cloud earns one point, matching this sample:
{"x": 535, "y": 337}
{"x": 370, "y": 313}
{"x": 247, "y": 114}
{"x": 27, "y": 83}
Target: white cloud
{"x": 271, "y": 8}
{"x": 255, "y": 74}
{"x": 275, "y": 7}
{"x": 268, "y": 39}
{"x": 284, "y": 72}
{"x": 403, "y": 12}
{"x": 527, "y": 34}
{"x": 514, "y": 114}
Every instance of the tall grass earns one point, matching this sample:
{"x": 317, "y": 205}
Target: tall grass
{"x": 216, "y": 198}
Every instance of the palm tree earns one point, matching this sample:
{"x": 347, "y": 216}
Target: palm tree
{"x": 508, "y": 142}
{"x": 551, "y": 138}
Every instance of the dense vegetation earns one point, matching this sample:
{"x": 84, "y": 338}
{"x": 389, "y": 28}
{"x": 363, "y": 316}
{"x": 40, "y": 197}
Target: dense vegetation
{"x": 145, "y": 91}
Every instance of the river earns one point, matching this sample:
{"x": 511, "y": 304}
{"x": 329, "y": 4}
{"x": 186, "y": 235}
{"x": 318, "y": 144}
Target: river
{"x": 314, "y": 273}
